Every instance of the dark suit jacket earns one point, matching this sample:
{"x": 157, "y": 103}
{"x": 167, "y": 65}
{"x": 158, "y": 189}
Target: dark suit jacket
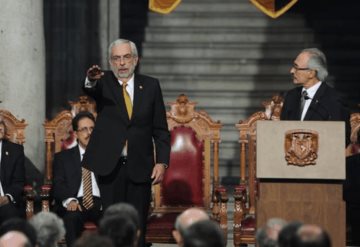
{"x": 113, "y": 128}
{"x": 66, "y": 174}
{"x": 352, "y": 182}
{"x": 325, "y": 106}
{"x": 12, "y": 171}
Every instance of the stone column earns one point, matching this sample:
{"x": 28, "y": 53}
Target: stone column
{"x": 22, "y": 70}
{"x": 109, "y": 27}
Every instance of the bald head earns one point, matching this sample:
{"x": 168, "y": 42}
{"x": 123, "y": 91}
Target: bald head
{"x": 14, "y": 239}
{"x": 186, "y": 219}
{"x": 190, "y": 216}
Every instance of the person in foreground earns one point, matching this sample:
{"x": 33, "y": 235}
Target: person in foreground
{"x": 49, "y": 229}
{"x": 313, "y": 99}
{"x": 186, "y": 219}
{"x": 204, "y": 233}
{"x": 75, "y": 189}
{"x": 130, "y": 147}
{"x": 12, "y": 176}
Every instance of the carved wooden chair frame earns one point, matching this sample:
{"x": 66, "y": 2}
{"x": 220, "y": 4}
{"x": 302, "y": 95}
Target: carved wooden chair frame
{"x": 245, "y": 193}
{"x": 182, "y": 112}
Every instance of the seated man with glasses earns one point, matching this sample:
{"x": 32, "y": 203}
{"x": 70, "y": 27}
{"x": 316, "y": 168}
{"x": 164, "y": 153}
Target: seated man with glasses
{"x": 75, "y": 188}
{"x": 313, "y": 99}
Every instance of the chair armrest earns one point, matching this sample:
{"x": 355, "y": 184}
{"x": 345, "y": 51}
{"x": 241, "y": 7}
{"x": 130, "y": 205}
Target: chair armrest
{"x": 29, "y": 201}
{"x": 219, "y": 210}
{"x": 239, "y": 208}
{"x": 45, "y": 197}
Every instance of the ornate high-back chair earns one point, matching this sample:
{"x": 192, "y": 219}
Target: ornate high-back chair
{"x": 355, "y": 129}
{"x": 189, "y": 181}
{"x": 245, "y": 193}
{"x": 15, "y": 127}
{"x": 15, "y": 132}
{"x": 59, "y": 136}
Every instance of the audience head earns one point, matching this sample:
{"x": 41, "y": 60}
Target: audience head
{"x": 185, "y": 219}
{"x": 122, "y": 208}
{"x": 267, "y": 236}
{"x": 287, "y": 234}
{"x": 83, "y": 124}
{"x": 20, "y": 225}
{"x": 14, "y": 239}
{"x": 121, "y": 229}
{"x": 93, "y": 240}
{"x": 49, "y": 228}
{"x": 204, "y": 233}
{"x": 2, "y": 129}
{"x": 311, "y": 236}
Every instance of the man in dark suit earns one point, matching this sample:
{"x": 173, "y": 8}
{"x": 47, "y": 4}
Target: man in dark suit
{"x": 69, "y": 185}
{"x": 313, "y": 99}
{"x": 131, "y": 126}
{"x": 12, "y": 176}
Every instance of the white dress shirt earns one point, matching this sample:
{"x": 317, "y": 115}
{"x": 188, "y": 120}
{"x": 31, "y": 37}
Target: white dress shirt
{"x": 95, "y": 187}
{"x": 129, "y": 89}
{"x": 311, "y": 93}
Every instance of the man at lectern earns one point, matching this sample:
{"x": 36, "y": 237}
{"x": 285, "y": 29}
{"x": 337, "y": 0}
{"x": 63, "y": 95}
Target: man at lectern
{"x": 313, "y": 99}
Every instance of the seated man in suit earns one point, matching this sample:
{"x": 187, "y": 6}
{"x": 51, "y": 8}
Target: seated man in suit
{"x": 12, "y": 176}
{"x": 75, "y": 188}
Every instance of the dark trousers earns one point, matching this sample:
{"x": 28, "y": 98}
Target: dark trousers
{"x": 117, "y": 187}
{"x": 8, "y": 211}
{"x": 74, "y": 220}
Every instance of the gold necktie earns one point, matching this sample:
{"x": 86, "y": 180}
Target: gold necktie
{"x": 88, "y": 201}
{"x": 127, "y": 99}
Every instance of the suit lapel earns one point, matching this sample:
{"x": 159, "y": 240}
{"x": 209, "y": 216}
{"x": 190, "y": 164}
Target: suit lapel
{"x": 77, "y": 163}
{"x": 314, "y": 102}
{"x": 117, "y": 92}
{"x": 138, "y": 96}
{"x": 4, "y": 159}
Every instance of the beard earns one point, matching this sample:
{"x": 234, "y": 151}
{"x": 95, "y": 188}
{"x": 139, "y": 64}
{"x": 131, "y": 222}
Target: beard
{"x": 120, "y": 75}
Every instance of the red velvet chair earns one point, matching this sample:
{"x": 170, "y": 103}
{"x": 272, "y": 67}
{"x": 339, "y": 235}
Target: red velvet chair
{"x": 188, "y": 181}
{"x": 246, "y": 192}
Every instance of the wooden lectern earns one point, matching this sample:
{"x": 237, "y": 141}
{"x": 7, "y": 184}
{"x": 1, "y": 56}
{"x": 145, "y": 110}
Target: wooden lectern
{"x": 300, "y": 169}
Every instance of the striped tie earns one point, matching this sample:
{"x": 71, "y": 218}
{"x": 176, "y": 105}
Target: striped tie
{"x": 88, "y": 201}
{"x": 127, "y": 99}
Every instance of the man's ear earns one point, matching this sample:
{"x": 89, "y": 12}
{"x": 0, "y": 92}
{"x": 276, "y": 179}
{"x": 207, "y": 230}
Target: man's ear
{"x": 177, "y": 237}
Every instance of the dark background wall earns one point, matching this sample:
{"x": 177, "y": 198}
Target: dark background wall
{"x": 72, "y": 44}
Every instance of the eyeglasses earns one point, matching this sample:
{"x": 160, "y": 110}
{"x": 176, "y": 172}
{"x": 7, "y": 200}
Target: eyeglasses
{"x": 126, "y": 58}
{"x": 86, "y": 129}
{"x": 296, "y": 68}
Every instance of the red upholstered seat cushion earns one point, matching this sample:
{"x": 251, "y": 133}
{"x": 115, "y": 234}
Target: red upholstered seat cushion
{"x": 161, "y": 226}
{"x": 248, "y": 225}
{"x": 183, "y": 181}
{"x": 90, "y": 226}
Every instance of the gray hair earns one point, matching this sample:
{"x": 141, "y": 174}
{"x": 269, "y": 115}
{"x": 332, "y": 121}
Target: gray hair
{"x": 134, "y": 51}
{"x": 49, "y": 228}
{"x": 123, "y": 208}
{"x": 266, "y": 239}
{"x": 317, "y": 62}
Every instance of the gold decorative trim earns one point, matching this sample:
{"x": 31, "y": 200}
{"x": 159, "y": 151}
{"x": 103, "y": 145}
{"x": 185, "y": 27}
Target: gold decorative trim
{"x": 272, "y": 12}
{"x": 163, "y": 6}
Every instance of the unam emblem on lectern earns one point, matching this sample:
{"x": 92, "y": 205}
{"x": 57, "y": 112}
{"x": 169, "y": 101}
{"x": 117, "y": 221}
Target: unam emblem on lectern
{"x": 301, "y": 147}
